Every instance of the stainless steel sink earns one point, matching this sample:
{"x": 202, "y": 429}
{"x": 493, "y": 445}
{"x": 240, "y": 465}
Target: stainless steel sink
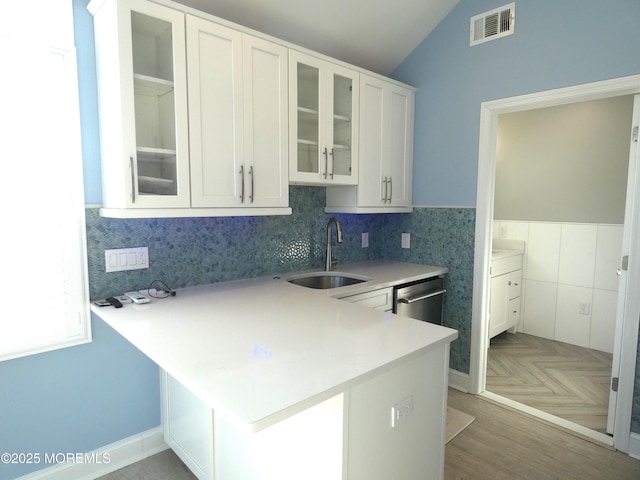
{"x": 324, "y": 280}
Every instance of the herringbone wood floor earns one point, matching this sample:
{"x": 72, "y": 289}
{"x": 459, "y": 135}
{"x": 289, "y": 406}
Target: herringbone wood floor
{"x": 564, "y": 380}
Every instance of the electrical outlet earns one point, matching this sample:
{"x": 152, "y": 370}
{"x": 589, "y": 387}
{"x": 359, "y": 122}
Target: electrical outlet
{"x": 365, "y": 240}
{"x": 406, "y": 240}
{"x": 401, "y": 410}
{"x": 584, "y": 308}
{"x": 120, "y": 259}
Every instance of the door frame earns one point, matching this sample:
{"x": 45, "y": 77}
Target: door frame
{"x": 489, "y": 112}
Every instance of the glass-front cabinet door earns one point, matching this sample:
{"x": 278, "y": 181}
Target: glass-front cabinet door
{"x": 142, "y": 94}
{"x": 324, "y": 118}
{"x": 159, "y": 167}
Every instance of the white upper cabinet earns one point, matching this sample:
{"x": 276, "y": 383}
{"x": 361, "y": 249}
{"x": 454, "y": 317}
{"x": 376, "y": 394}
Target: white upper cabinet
{"x": 238, "y": 118}
{"x": 193, "y": 115}
{"x": 200, "y": 117}
{"x": 323, "y": 121}
{"x": 140, "y": 52}
{"x": 386, "y": 151}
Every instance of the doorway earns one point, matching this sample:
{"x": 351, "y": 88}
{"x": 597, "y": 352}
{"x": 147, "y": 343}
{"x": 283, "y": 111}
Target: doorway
{"x": 561, "y": 176}
{"x": 627, "y": 343}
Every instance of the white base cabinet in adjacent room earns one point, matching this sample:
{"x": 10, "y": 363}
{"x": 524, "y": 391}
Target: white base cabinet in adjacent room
{"x": 391, "y": 425}
{"x": 505, "y": 294}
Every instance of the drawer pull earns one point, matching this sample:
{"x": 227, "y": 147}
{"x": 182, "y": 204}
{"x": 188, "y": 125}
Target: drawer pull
{"x": 422, "y": 297}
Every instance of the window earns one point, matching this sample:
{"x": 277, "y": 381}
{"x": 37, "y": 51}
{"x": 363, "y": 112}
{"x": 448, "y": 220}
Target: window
{"x": 43, "y": 269}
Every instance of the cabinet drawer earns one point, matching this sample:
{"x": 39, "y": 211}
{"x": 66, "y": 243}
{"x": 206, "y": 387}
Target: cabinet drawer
{"x": 515, "y": 284}
{"x": 513, "y": 315}
{"x": 506, "y": 265}
{"x": 381, "y": 299}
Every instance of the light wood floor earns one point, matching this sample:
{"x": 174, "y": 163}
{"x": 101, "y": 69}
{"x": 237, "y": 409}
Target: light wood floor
{"x": 499, "y": 445}
{"x": 502, "y": 444}
{"x": 564, "y": 380}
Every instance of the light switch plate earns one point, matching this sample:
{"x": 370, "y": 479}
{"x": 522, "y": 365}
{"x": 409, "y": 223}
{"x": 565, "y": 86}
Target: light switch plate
{"x": 365, "y": 240}
{"x": 406, "y": 240}
{"x": 119, "y": 259}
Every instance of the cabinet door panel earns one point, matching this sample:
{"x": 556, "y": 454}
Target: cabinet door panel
{"x": 265, "y": 123}
{"x": 306, "y": 111}
{"x": 342, "y": 125}
{"x": 215, "y": 85}
{"x": 372, "y": 190}
{"x": 499, "y": 306}
{"x": 400, "y": 164}
{"x": 143, "y": 105}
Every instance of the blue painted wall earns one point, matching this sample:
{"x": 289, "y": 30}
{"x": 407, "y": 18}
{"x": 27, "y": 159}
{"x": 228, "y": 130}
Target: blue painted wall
{"x": 557, "y": 43}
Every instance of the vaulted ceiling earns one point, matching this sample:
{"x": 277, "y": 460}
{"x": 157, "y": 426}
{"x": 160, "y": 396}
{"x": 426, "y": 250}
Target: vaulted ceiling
{"x": 373, "y": 34}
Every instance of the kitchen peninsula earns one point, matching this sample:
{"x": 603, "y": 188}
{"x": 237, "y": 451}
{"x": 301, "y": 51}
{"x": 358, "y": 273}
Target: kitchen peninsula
{"x": 263, "y": 379}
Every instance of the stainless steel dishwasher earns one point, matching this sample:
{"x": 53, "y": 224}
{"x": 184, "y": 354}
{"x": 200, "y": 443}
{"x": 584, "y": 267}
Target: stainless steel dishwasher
{"x": 422, "y": 300}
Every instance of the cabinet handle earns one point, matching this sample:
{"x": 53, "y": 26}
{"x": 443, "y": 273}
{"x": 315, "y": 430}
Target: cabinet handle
{"x": 386, "y": 186}
{"x": 133, "y": 180}
{"x": 241, "y": 183}
{"x": 390, "y": 188}
{"x": 326, "y": 163}
{"x": 251, "y": 176}
{"x": 333, "y": 159}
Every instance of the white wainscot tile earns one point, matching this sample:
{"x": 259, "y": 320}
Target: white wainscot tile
{"x": 572, "y": 326}
{"x": 578, "y": 254}
{"x": 514, "y": 230}
{"x": 539, "y": 313}
{"x": 543, "y": 251}
{"x": 603, "y": 320}
{"x": 608, "y": 255}
{"x": 496, "y": 229}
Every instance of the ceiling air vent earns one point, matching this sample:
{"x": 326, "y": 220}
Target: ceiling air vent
{"x": 493, "y": 24}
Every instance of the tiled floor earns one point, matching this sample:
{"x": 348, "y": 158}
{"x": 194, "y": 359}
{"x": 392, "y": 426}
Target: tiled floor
{"x": 564, "y": 380}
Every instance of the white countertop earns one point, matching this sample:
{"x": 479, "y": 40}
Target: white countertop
{"x": 261, "y": 350}
{"x": 498, "y": 254}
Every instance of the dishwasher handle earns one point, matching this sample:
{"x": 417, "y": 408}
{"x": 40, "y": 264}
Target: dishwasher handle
{"x": 434, "y": 293}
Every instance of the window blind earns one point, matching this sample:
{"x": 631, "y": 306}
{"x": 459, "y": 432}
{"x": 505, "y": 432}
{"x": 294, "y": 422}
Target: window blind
{"x": 44, "y": 278}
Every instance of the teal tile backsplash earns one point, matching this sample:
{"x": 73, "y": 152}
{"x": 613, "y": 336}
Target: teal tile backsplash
{"x": 195, "y": 251}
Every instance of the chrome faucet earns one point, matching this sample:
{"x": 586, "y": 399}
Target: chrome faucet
{"x": 330, "y": 262}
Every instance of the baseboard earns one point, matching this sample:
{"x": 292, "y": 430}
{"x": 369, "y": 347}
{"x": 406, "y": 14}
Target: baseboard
{"x": 634, "y": 445}
{"x": 459, "y": 380}
{"x": 106, "y": 459}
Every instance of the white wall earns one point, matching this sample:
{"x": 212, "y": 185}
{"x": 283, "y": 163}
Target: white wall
{"x": 567, "y": 266}
{"x": 564, "y": 164}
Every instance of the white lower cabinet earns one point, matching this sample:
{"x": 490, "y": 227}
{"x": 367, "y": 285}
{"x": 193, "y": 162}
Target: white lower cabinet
{"x": 505, "y": 294}
{"x": 381, "y": 299}
{"x": 351, "y": 435}
{"x": 188, "y": 426}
